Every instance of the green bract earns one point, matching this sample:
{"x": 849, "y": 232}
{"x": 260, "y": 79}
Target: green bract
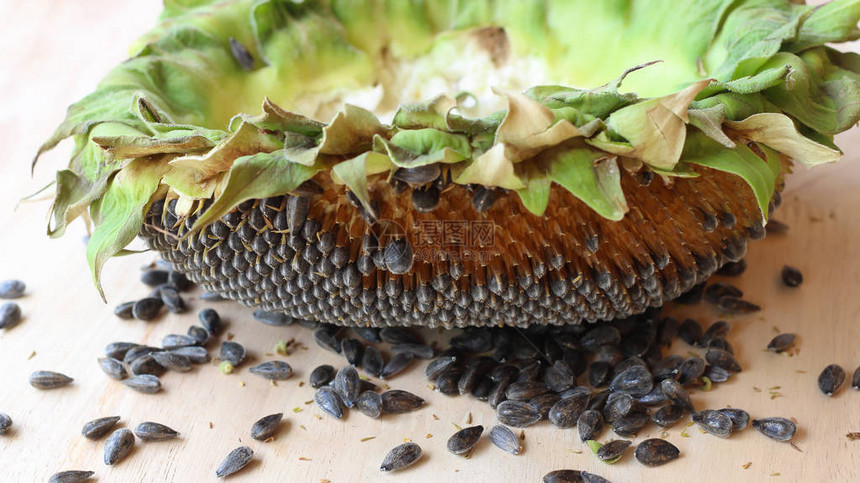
{"x": 738, "y": 84}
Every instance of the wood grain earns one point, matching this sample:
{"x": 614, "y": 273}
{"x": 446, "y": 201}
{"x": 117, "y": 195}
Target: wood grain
{"x": 54, "y": 52}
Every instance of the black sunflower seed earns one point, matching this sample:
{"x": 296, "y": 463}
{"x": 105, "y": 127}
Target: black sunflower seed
{"x": 544, "y": 403}
{"x": 124, "y": 310}
{"x": 397, "y": 401}
{"x": 113, "y": 368}
{"x": 559, "y": 377}
{"x": 401, "y": 457}
{"x": 476, "y": 340}
{"x": 418, "y": 176}
{"x": 517, "y": 414}
{"x": 722, "y": 344}
{"x": 448, "y": 382}
{"x": 592, "y": 478}
{"x": 399, "y": 335}
{"x": 438, "y": 366}
{"x": 421, "y": 351}
{"x": 232, "y": 352}
{"x": 275, "y": 319}
{"x": 99, "y": 428}
{"x": 667, "y": 367}
{"x": 631, "y": 424}
{"x": 347, "y": 384}
{"x": 118, "y": 446}
{"x": 717, "y": 374}
{"x": 145, "y": 383}
{"x": 677, "y": 394}
{"x": 791, "y": 276}
{"x": 715, "y": 291}
{"x": 241, "y": 54}
{"x": 667, "y": 416}
{"x": 370, "y": 404}
{"x": 690, "y": 331}
{"x": 321, "y": 376}
{"x": 272, "y": 370}
{"x": 563, "y": 476}
{"x": 589, "y": 424}
{"x": 598, "y": 373}
{"x": 714, "y": 422}
{"x": 210, "y": 320}
{"x": 117, "y": 350}
{"x": 636, "y": 381}
{"x": 352, "y": 350}
{"x": 613, "y": 449}
{"x": 397, "y": 364}
{"x": 266, "y": 426}
{"x": 372, "y": 361}
{"x": 12, "y": 289}
{"x": 601, "y": 335}
{"x": 197, "y": 355}
{"x": 425, "y": 199}
{"x": 733, "y": 269}
{"x": 150, "y": 431}
{"x": 172, "y": 361}
{"x": 326, "y": 340}
{"x": 781, "y": 342}
{"x": 719, "y": 329}
{"x": 619, "y": 405}
{"x": 505, "y": 439}
{"x": 831, "y": 379}
{"x": 147, "y": 308}
{"x": 720, "y": 358}
{"x": 137, "y": 352}
{"x": 566, "y": 412}
{"x": 780, "y": 429}
{"x": 656, "y": 452}
{"x": 5, "y": 423}
{"x": 179, "y": 280}
{"x": 235, "y": 461}
{"x": 328, "y": 400}
{"x": 49, "y": 380}
{"x": 154, "y": 278}
{"x": 398, "y": 256}
{"x": 174, "y": 341}
{"x": 855, "y": 381}
{"x": 199, "y": 334}
{"x": 71, "y": 476}
{"x": 740, "y": 418}
{"x": 370, "y": 334}
{"x": 525, "y": 390}
{"x": 146, "y": 364}
{"x": 172, "y": 300}
{"x": 465, "y": 439}
{"x": 736, "y": 306}
{"x": 654, "y": 398}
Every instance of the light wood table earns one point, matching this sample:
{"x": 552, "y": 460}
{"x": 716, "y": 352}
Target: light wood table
{"x": 55, "y": 51}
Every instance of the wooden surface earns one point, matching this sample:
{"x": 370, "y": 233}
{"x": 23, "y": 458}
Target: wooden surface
{"x": 55, "y": 51}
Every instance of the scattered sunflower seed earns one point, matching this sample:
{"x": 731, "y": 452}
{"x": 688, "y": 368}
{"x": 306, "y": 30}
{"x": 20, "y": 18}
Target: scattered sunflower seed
{"x": 266, "y": 426}
{"x": 118, "y": 350}
{"x": 372, "y": 361}
{"x": 831, "y": 379}
{"x": 398, "y": 401}
{"x": 736, "y": 306}
{"x": 780, "y": 429}
{"x": 465, "y": 439}
{"x": 656, "y": 452}
{"x": 175, "y": 341}
{"x": 113, "y": 368}
{"x": 518, "y": 414}
{"x": 12, "y": 289}
{"x": 613, "y": 450}
{"x": 149, "y": 431}
{"x": 397, "y": 364}
{"x": 370, "y": 404}
{"x": 740, "y": 418}
{"x": 636, "y": 381}
{"x": 589, "y": 424}
{"x": 273, "y": 370}
{"x": 232, "y": 352}
{"x": 566, "y": 412}
{"x": 401, "y": 457}
{"x": 146, "y": 365}
{"x": 118, "y": 446}
{"x": 199, "y": 334}
{"x": 677, "y": 394}
{"x": 154, "y": 278}
{"x": 781, "y": 342}
{"x": 592, "y": 478}
{"x": 723, "y": 359}
{"x": 98, "y": 428}
{"x": 505, "y": 439}
{"x": 352, "y": 350}
{"x": 49, "y": 380}
{"x": 210, "y": 320}
{"x": 10, "y": 315}
{"x": 329, "y": 402}
{"x": 321, "y": 376}
{"x": 5, "y": 423}
{"x": 172, "y": 360}
{"x": 195, "y": 354}
{"x": 667, "y": 416}
{"x": 791, "y": 276}
{"x": 563, "y": 476}
{"x": 172, "y": 300}
{"x": 348, "y": 385}
{"x": 235, "y": 461}
{"x": 855, "y": 380}
{"x": 714, "y": 422}
{"x": 276, "y": 319}
{"x": 715, "y": 291}
{"x": 326, "y": 340}
{"x": 147, "y": 308}
{"x": 145, "y": 383}
{"x": 71, "y": 476}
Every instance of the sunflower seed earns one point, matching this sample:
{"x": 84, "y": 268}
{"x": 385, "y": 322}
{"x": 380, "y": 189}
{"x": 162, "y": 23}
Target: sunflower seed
{"x": 715, "y": 291}
{"x": 717, "y": 374}
{"x": 98, "y": 428}
{"x": 656, "y": 452}
{"x": 266, "y": 426}
{"x": 733, "y": 269}
{"x": 791, "y": 276}
{"x": 154, "y": 278}
{"x": 690, "y": 331}
{"x": 113, "y": 368}
{"x": 233, "y": 352}
{"x": 421, "y": 351}
{"x": 667, "y": 416}
{"x": 517, "y": 414}
{"x": 692, "y": 296}
{"x": 525, "y": 390}
{"x": 275, "y": 319}
{"x": 118, "y": 446}
{"x": 327, "y": 399}
{"x": 654, "y": 398}
{"x": 720, "y": 358}
{"x": 613, "y": 450}
{"x": 210, "y": 320}
{"x": 465, "y": 439}
{"x": 149, "y": 431}
{"x": 781, "y": 342}
{"x": 677, "y": 394}
{"x": 199, "y": 334}
{"x": 12, "y": 289}
{"x": 635, "y": 381}
{"x": 370, "y": 334}
{"x": 273, "y": 370}
{"x": 197, "y": 355}
{"x": 717, "y": 330}
{"x": 326, "y": 340}
{"x": 398, "y": 401}
{"x": 49, "y": 380}
{"x": 566, "y": 412}
{"x": 10, "y": 315}
{"x": 172, "y": 361}
{"x": 855, "y": 381}
{"x": 475, "y": 340}
{"x": 714, "y": 422}
{"x": 370, "y": 404}
{"x": 401, "y": 457}
{"x": 175, "y": 341}
{"x": 321, "y": 376}
{"x": 146, "y": 364}
{"x": 397, "y": 364}
{"x": 563, "y": 476}
{"x": 831, "y": 379}
{"x": 740, "y": 418}
{"x": 780, "y": 429}
{"x": 117, "y": 350}
{"x": 145, "y": 383}
{"x": 172, "y": 300}
{"x": 147, "y": 308}
{"x": 180, "y": 281}
{"x": 598, "y": 373}
{"x": 736, "y": 306}
{"x": 352, "y": 350}
{"x": 505, "y": 439}
{"x": 559, "y": 377}
{"x": 136, "y": 352}
{"x": 544, "y": 403}
{"x": 592, "y": 478}
{"x": 372, "y": 361}
{"x": 5, "y": 423}
{"x": 71, "y": 476}
{"x": 601, "y": 335}
{"x": 418, "y": 176}
{"x": 235, "y": 461}
{"x": 589, "y": 424}
{"x": 425, "y": 200}
{"x": 437, "y": 366}
{"x": 631, "y": 424}
{"x": 348, "y": 385}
